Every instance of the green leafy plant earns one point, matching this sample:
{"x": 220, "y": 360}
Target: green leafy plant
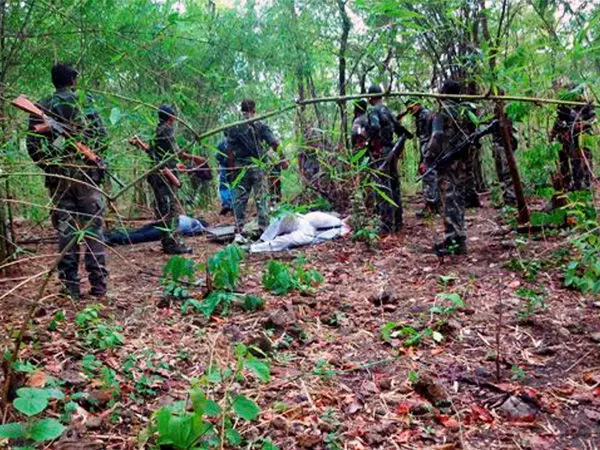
{"x": 224, "y": 267}
{"x": 178, "y": 274}
{"x": 223, "y": 301}
{"x": 410, "y": 336}
{"x": 448, "y": 304}
{"x": 534, "y": 301}
{"x": 32, "y": 402}
{"x": 282, "y": 279}
{"x": 224, "y": 271}
{"x": 95, "y": 331}
{"x": 191, "y": 424}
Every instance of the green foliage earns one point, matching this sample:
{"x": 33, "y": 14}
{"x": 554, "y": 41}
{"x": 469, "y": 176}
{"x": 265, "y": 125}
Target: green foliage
{"x": 190, "y": 425}
{"x": 178, "y": 274}
{"x": 583, "y": 272}
{"x": 282, "y": 279}
{"x": 95, "y": 331}
{"x": 449, "y": 302}
{"x": 31, "y": 402}
{"x": 222, "y": 301}
{"x": 224, "y": 267}
{"x": 410, "y": 336}
{"x": 534, "y": 301}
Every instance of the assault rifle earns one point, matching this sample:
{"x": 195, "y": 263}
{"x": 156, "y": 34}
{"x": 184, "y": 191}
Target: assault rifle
{"x": 48, "y": 124}
{"x": 165, "y": 171}
{"x": 458, "y": 149}
{"x": 394, "y": 153}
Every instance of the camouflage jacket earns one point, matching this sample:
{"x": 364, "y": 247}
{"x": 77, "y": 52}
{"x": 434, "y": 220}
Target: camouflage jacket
{"x": 51, "y": 151}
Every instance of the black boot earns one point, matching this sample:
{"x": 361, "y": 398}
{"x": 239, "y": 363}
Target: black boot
{"x": 176, "y": 249}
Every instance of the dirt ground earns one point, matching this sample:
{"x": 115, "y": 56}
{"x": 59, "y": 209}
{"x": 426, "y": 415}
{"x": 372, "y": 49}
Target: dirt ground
{"x": 336, "y": 383}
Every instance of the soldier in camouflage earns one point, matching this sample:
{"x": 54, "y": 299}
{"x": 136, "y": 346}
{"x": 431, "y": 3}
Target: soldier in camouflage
{"x": 449, "y": 127}
{"x": 431, "y": 188}
{"x": 73, "y": 183}
{"x": 245, "y": 146}
{"x": 383, "y": 125}
{"x": 164, "y": 149}
{"x": 570, "y": 127}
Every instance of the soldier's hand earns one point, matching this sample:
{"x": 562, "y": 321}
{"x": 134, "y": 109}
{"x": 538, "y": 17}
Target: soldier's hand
{"x": 422, "y": 168}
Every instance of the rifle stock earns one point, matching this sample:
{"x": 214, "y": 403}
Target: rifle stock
{"x": 199, "y": 160}
{"x": 48, "y": 124}
{"x": 26, "y": 105}
{"x": 136, "y": 141}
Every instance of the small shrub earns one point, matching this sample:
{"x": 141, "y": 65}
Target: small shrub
{"x": 282, "y": 279}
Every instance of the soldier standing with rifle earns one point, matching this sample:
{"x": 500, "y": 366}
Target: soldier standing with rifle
{"x": 383, "y": 125}
{"x": 431, "y": 187}
{"x": 245, "y": 151}
{"x": 72, "y": 182}
{"x": 450, "y": 129}
{"x": 164, "y": 183}
{"x": 570, "y": 126}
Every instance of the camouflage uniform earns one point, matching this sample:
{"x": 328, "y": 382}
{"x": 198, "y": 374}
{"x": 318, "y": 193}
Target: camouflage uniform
{"x": 452, "y": 122}
{"x": 76, "y": 200}
{"x": 167, "y": 207}
{"x": 431, "y": 188}
{"x": 502, "y": 170}
{"x": 570, "y": 124}
{"x": 382, "y": 127}
{"x": 245, "y": 144}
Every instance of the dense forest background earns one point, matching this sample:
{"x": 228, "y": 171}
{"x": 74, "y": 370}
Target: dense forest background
{"x": 206, "y": 56}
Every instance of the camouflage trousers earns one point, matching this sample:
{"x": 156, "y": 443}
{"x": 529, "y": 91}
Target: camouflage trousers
{"x": 76, "y": 204}
{"x": 472, "y": 165}
{"x": 388, "y": 184}
{"x": 431, "y": 189}
{"x": 453, "y": 185}
{"x": 166, "y": 209}
{"x": 253, "y": 180}
{"x": 506, "y": 184}
{"x": 573, "y": 167}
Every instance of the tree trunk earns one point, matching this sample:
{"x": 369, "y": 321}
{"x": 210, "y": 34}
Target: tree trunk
{"x": 523, "y": 211}
{"x": 6, "y": 242}
{"x": 346, "y": 25}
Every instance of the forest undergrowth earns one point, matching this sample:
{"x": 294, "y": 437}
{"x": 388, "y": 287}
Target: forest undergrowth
{"x": 340, "y": 345}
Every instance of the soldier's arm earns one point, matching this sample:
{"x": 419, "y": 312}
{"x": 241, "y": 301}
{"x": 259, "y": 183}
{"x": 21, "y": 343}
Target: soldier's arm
{"x": 267, "y": 135}
{"x": 399, "y": 129}
{"x": 35, "y": 141}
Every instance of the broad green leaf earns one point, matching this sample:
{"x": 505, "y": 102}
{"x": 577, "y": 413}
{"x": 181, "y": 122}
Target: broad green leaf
{"x": 259, "y": 368}
{"x": 31, "y": 401}
{"x": 46, "y": 430}
{"x": 233, "y": 437}
{"x": 13, "y": 430}
{"x": 115, "y": 116}
{"x": 212, "y": 409}
{"x": 245, "y": 407}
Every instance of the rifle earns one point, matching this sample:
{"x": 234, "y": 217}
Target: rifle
{"x": 460, "y": 148}
{"x": 166, "y": 172}
{"x": 394, "y": 153}
{"x": 49, "y": 124}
